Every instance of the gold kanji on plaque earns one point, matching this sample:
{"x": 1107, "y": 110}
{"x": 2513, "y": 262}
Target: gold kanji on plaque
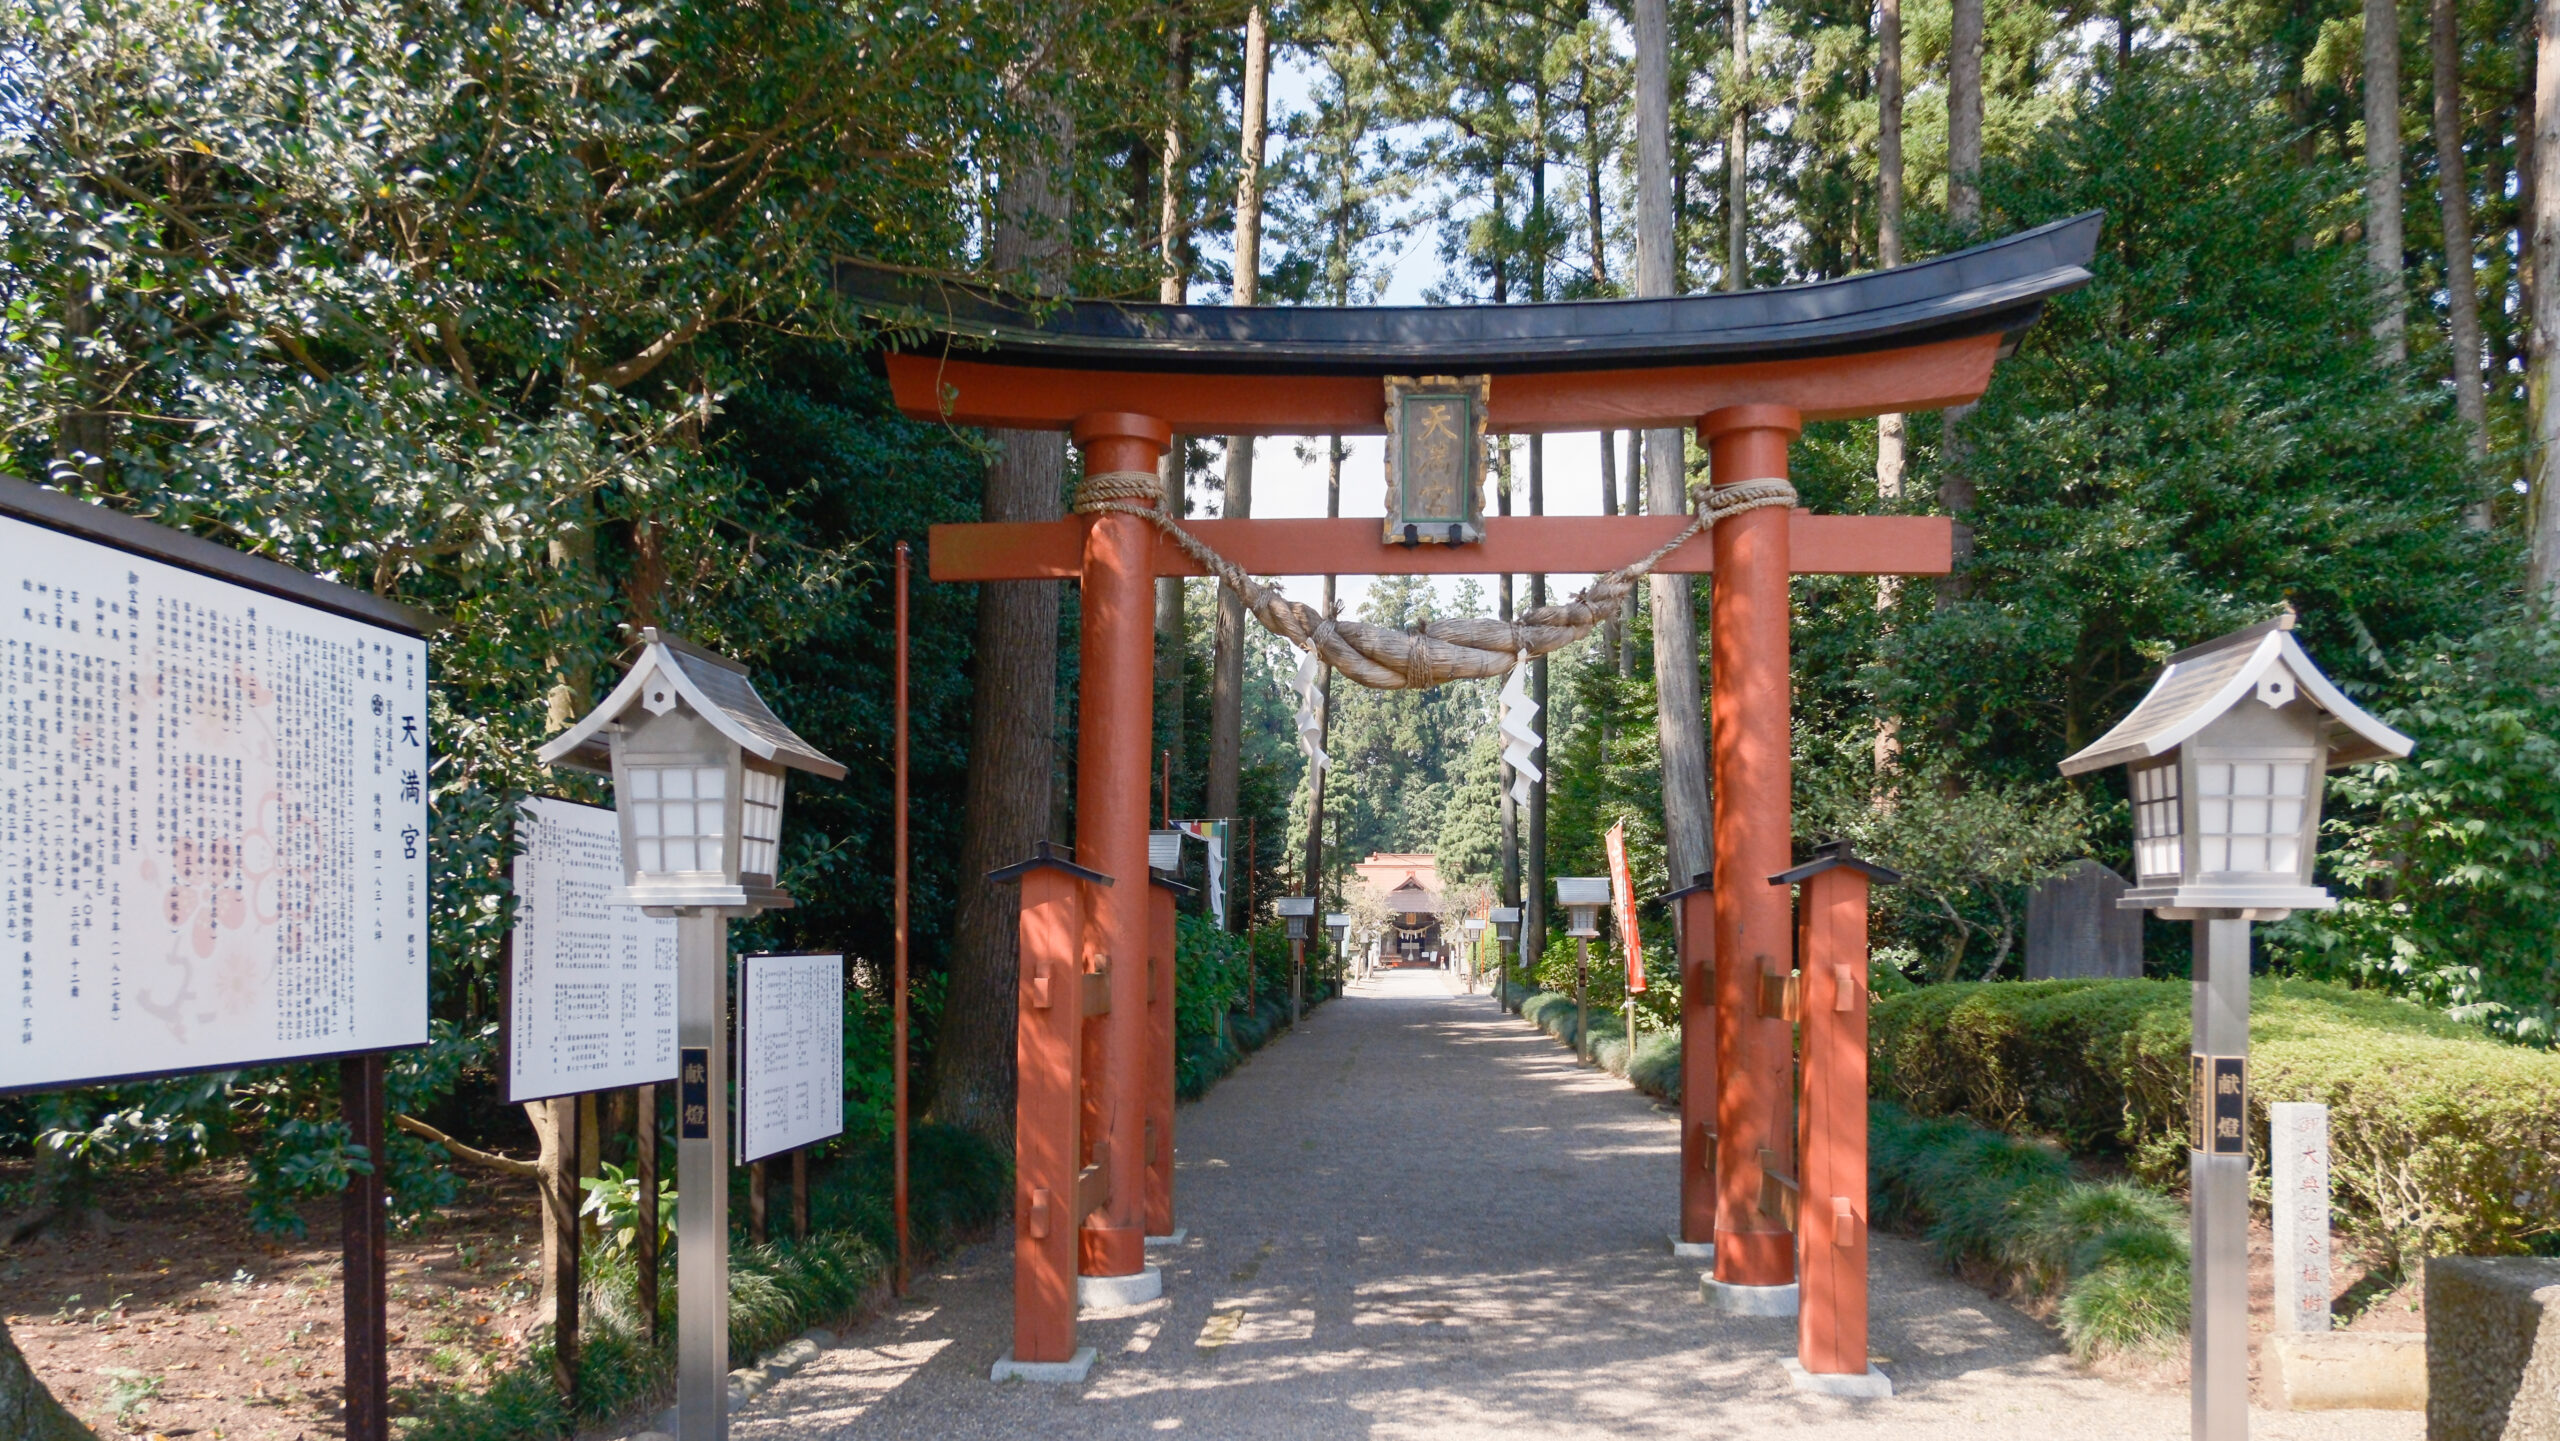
{"x": 1435, "y": 459}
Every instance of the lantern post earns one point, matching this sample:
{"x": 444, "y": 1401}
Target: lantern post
{"x": 1298, "y": 913}
{"x": 698, "y": 765}
{"x": 1338, "y": 923}
{"x": 1506, "y": 933}
{"x": 1582, "y": 897}
{"x": 2225, "y": 759}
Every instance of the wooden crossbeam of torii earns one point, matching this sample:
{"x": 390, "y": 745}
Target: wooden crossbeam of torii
{"x": 1747, "y": 368}
{"x": 1513, "y": 545}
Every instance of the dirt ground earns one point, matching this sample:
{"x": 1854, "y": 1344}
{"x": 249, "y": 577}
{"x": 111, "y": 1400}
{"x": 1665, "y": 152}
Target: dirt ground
{"x": 182, "y": 1322}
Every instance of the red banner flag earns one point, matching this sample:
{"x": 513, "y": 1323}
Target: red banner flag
{"x": 1623, "y": 883}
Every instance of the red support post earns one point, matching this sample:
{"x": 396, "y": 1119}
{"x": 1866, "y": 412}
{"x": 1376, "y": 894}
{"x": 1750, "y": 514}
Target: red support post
{"x": 1831, "y": 1321}
{"x": 1048, "y": 1056}
{"x": 1697, "y": 912}
{"x": 1750, "y": 718}
{"x": 1160, "y": 1002}
{"x": 898, "y": 1002}
{"x": 1115, "y": 706}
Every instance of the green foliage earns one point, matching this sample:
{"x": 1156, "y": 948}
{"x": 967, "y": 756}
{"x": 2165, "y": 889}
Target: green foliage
{"x": 2448, "y": 863}
{"x": 2114, "y": 1255}
{"x": 613, "y": 1199}
{"x": 1216, "y": 1022}
{"x": 1968, "y": 850}
{"x": 2441, "y": 1139}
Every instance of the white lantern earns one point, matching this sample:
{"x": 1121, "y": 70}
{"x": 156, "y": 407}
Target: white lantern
{"x": 2224, "y": 761}
{"x": 697, "y": 762}
{"x": 1297, "y": 913}
{"x": 1583, "y": 896}
{"x": 1506, "y": 924}
{"x": 1338, "y": 922}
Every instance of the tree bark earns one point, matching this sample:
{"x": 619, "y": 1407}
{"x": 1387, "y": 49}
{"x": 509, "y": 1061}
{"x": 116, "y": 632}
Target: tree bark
{"x": 1681, "y": 730}
{"x": 1964, "y": 207}
{"x": 28, "y": 1411}
{"x": 1226, "y": 682}
{"x": 2382, "y": 230}
{"x": 1172, "y": 626}
{"x": 1892, "y": 432}
{"x": 2544, "y": 511}
{"x": 1737, "y": 160}
{"x": 2453, "y": 194}
{"x": 1005, "y": 805}
{"x": 1964, "y": 115}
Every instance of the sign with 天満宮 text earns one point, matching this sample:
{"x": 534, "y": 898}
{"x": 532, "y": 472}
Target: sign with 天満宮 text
{"x": 790, "y": 1053}
{"x": 591, "y": 986}
{"x": 213, "y": 820}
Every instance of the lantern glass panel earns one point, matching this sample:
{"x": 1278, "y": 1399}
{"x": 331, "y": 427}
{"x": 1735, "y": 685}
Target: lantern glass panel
{"x": 2249, "y": 814}
{"x": 679, "y": 816}
{"x": 2158, "y": 848}
{"x": 760, "y": 821}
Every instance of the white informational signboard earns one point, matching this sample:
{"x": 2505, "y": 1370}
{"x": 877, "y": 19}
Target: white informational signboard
{"x": 591, "y": 985}
{"x": 213, "y": 821}
{"x": 790, "y": 1053}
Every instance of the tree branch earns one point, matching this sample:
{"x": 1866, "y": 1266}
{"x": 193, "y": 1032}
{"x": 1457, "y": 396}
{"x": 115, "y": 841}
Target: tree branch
{"x": 460, "y": 1152}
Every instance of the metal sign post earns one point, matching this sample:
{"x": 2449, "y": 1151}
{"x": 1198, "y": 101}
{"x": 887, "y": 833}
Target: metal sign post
{"x": 702, "y": 1176}
{"x": 2218, "y": 1182}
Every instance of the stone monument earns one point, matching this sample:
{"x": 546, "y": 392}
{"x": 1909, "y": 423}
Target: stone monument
{"x": 2075, "y": 931}
{"x": 2298, "y": 1147}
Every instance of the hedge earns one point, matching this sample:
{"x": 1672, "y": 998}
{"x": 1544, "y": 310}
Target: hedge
{"x": 2110, "y": 1257}
{"x": 2441, "y": 1139}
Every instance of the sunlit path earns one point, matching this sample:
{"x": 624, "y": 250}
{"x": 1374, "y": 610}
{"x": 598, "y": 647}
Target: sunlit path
{"x": 1418, "y": 1218}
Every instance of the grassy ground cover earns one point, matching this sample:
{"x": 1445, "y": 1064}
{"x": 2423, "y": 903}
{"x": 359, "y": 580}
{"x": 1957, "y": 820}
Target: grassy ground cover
{"x": 958, "y": 1184}
{"x": 2442, "y": 1138}
{"x": 2107, "y": 1260}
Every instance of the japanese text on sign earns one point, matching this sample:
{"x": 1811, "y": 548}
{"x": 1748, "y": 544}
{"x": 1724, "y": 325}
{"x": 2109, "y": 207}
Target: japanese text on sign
{"x": 591, "y": 998}
{"x": 790, "y": 1052}
{"x": 212, "y": 820}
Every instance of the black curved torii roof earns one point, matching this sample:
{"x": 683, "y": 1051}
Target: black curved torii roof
{"x": 1998, "y": 288}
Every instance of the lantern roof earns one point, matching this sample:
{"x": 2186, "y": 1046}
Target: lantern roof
{"x": 2202, "y": 682}
{"x": 1582, "y": 890}
{"x": 717, "y": 689}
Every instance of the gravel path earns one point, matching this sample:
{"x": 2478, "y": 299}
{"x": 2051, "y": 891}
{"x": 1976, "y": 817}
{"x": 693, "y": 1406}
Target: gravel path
{"x": 1417, "y": 1217}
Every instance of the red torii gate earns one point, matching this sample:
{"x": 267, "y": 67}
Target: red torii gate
{"x": 1748, "y": 369}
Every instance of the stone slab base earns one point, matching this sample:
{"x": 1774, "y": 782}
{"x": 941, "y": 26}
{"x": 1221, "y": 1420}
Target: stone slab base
{"x": 1180, "y": 1235}
{"x": 1071, "y": 1371}
{"x": 2346, "y": 1371}
{"x": 1106, "y": 1293}
{"x": 1749, "y": 1300}
{"x": 2493, "y": 1348}
{"x": 1693, "y": 1250}
{"x": 1873, "y": 1386}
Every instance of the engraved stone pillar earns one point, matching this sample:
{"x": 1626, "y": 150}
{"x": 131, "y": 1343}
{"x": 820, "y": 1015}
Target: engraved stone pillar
{"x": 2298, "y": 1147}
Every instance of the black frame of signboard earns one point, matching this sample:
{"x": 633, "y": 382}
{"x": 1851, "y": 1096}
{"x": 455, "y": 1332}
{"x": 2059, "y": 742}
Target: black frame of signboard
{"x": 365, "y": 1222}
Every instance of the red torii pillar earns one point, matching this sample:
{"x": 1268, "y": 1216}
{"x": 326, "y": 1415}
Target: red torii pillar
{"x": 1751, "y": 726}
{"x": 1115, "y": 702}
